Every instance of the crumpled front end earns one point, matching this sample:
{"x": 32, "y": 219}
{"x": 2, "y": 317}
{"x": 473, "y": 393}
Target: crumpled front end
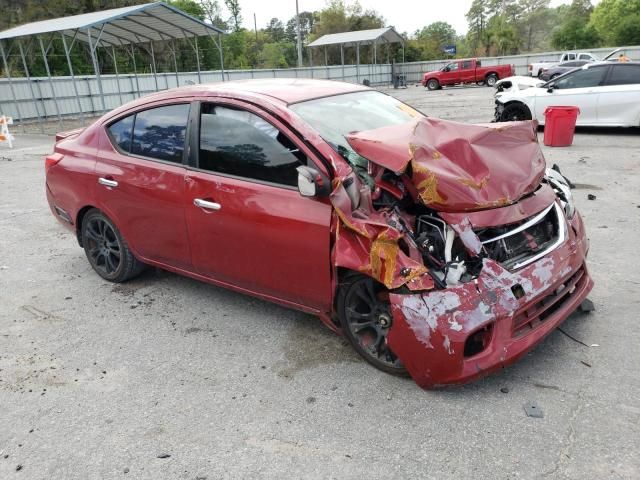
{"x": 480, "y": 249}
{"x": 464, "y": 332}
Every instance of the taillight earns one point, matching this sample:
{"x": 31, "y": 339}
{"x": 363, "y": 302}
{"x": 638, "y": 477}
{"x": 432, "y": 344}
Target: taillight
{"x": 530, "y": 67}
{"x": 51, "y": 160}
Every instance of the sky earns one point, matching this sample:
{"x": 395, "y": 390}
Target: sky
{"x": 405, "y": 15}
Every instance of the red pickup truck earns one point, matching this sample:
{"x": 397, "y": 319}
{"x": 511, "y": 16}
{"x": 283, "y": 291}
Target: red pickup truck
{"x": 467, "y": 71}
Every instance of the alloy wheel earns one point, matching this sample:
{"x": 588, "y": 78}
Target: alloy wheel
{"x": 104, "y": 248}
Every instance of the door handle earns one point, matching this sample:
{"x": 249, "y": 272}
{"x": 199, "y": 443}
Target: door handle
{"x": 107, "y": 183}
{"x": 198, "y": 202}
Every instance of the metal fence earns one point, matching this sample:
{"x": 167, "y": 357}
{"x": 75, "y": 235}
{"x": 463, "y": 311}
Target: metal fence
{"x": 42, "y": 99}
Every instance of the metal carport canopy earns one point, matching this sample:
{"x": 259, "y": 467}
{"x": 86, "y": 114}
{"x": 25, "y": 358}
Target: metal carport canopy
{"x": 121, "y": 26}
{"x": 362, "y": 37}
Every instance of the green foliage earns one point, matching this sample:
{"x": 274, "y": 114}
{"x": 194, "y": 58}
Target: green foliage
{"x": 614, "y": 22}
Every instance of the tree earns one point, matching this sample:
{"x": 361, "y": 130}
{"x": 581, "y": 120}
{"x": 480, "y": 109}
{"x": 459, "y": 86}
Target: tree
{"x": 613, "y": 20}
{"x": 275, "y": 29}
{"x": 575, "y": 31}
{"x": 213, "y": 13}
{"x": 236, "y": 17}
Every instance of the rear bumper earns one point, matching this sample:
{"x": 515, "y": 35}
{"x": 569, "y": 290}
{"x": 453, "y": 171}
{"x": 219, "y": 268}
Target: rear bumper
{"x": 513, "y": 310}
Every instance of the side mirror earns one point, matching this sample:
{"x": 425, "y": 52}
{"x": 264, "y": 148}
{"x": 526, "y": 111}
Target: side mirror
{"x": 312, "y": 183}
{"x": 550, "y": 88}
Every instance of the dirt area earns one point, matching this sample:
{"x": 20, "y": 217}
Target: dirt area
{"x": 166, "y": 377}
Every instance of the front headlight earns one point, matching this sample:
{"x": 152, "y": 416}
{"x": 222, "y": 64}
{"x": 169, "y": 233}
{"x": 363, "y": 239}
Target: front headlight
{"x": 561, "y": 186}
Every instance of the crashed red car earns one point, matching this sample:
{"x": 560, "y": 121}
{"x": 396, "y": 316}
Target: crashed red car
{"x": 440, "y": 249}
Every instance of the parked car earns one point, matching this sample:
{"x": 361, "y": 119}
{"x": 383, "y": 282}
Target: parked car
{"x": 550, "y": 73}
{"x": 466, "y": 71}
{"x": 448, "y": 263}
{"x": 607, "y": 94}
{"x": 536, "y": 69}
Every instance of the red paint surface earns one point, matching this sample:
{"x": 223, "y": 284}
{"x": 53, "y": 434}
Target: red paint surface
{"x": 473, "y": 166}
{"x": 472, "y": 74}
{"x": 272, "y": 243}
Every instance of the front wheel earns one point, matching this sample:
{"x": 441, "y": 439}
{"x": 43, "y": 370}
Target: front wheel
{"x": 433, "y": 84}
{"x": 106, "y": 249}
{"x": 491, "y": 80}
{"x": 365, "y": 316}
{"x": 515, "y": 112}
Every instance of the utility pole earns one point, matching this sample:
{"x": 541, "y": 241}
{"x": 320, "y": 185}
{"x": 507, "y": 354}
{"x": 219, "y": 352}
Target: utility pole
{"x": 255, "y": 26}
{"x": 299, "y": 36}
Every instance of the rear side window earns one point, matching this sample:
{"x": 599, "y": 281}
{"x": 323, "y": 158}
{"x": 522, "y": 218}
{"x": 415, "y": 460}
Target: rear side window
{"x": 466, "y": 65}
{"x": 160, "y": 132}
{"x": 591, "y": 77}
{"x": 121, "y": 132}
{"x": 239, "y": 143}
{"x": 624, "y": 75}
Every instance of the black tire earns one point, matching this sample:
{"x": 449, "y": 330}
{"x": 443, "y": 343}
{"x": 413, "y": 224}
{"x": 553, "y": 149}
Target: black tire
{"x": 491, "y": 80}
{"x": 107, "y": 250}
{"x": 433, "y": 84}
{"x": 539, "y": 73}
{"x": 515, "y": 112}
{"x": 365, "y": 317}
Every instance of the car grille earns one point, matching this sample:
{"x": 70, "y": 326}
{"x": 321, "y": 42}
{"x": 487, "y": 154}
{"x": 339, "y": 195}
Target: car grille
{"x": 526, "y": 320}
{"x": 519, "y": 244}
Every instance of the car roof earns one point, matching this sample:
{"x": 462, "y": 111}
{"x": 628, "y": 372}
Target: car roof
{"x": 284, "y": 90}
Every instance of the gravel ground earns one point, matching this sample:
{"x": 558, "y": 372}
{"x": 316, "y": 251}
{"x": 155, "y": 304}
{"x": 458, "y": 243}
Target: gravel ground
{"x": 166, "y": 377}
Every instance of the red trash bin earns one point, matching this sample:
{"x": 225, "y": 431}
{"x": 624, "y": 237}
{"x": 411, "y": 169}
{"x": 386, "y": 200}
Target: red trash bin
{"x": 560, "y": 125}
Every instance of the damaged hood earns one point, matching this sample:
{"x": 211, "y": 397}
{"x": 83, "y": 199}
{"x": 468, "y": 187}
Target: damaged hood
{"x": 456, "y": 166}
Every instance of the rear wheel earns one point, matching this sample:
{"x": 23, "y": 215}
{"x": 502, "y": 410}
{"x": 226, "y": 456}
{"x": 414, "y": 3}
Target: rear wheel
{"x": 365, "y": 316}
{"x": 106, "y": 249}
{"x": 433, "y": 84}
{"x": 515, "y": 112}
{"x": 491, "y": 80}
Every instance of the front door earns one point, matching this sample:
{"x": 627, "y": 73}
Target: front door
{"x": 450, "y": 74}
{"x": 248, "y": 225}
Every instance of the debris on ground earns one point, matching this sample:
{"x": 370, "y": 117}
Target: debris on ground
{"x": 164, "y": 455}
{"x": 585, "y": 363}
{"x": 504, "y": 390}
{"x": 591, "y": 196}
{"x": 532, "y": 409}
{"x": 587, "y": 306}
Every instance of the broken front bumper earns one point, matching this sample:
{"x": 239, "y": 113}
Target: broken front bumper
{"x": 461, "y": 333}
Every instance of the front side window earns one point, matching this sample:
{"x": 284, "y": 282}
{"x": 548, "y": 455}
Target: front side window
{"x": 240, "y": 143}
{"x": 121, "y": 132}
{"x": 160, "y": 132}
{"x": 624, "y": 75}
{"x": 452, "y": 67}
{"x": 591, "y": 77}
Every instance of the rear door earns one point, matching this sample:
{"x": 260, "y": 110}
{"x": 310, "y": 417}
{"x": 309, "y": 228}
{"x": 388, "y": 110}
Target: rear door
{"x": 248, "y": 225}
{"x": 467, "y": 71}
{"x": 140, "y": 176}
{"x": 619, "y": 100}
{"x": 578, "y": 89}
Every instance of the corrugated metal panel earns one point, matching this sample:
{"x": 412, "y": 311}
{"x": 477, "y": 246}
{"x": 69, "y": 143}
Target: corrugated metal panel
{"x": 363, "y": 37}
{"x": 120, "y": 26}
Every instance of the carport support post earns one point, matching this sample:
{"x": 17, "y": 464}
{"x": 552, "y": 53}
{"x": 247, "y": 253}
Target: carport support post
{"x": 33, "y": 95}
{"x": 221, "y": 56}
{"x": 13, "y": 92}
{"x": 115, "y": 66}
{"x": 358, "y": 62}
{"x": 73, "y": 78}
{"x": 135, "y": 70}
{"x": 342, "y": 59}
{"x": 197, "y": 59}
{"x": 96, "y": 68}
{"x": 153, "y": 64}
{"x": 53, "y": 92}
{"x": 175, "y": 61}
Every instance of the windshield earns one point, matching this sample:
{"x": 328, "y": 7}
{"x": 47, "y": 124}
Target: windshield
{"x": 339, "y": 115}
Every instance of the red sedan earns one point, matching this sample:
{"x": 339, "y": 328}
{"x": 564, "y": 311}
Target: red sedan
{"x": 440, "y": 249}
